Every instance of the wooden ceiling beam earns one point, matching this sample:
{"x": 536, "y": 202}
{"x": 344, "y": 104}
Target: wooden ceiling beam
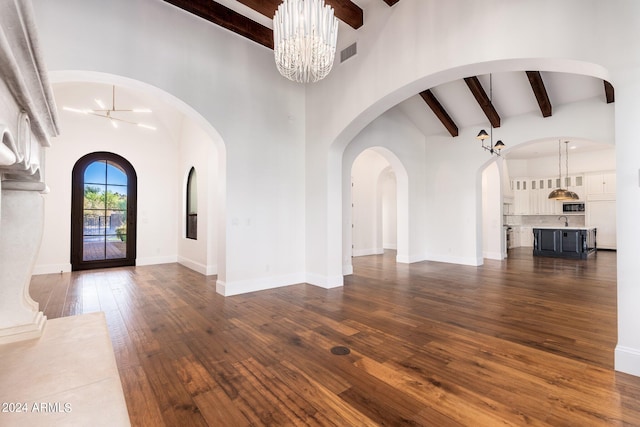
{"x": 609, "y": 92}
{"x": 439, "y": 111}
{"x": 483, "y": 100}
{"x": 537, "y": 85}
{"x": 345, "y": 10}
{"x": 227, "y": 18}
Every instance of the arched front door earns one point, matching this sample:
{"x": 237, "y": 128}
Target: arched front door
{"x": 103, "y": 212}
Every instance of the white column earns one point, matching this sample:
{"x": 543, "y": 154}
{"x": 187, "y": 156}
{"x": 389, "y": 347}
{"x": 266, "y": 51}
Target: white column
{"x": 627, "y": 353}
{"x": 21, "y": 225}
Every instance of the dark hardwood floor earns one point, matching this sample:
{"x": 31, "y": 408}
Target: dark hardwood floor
{"x": 526, "y": 341}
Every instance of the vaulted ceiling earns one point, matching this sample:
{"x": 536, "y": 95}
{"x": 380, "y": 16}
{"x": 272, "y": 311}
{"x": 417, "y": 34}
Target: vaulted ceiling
{"x": 252, "y": 19}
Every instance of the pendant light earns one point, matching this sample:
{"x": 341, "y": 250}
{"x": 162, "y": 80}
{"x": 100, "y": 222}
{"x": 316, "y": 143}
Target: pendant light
{"x": 570, "y": 194}
{"x": 561, "y": 193}
{"x": 482, "y": 135}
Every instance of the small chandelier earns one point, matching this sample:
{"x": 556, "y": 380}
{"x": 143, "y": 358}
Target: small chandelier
{"x": 482, "y": 135}
{"x": 304, "y": 34}
{"x": 561, "y": 193}
{"x": 491, "y": 148}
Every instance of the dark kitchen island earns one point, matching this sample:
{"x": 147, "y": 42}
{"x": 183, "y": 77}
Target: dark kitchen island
{"x": 564, "y": 242}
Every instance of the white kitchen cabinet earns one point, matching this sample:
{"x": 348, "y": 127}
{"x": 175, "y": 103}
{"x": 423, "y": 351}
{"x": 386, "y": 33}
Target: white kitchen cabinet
{"x": 576, "y": 184}
{"x": 601, "y": 186}
{"x": 534, "y": 197}
{"x": 531, "y": 195}
{"x": 554, "y": 207}
{"x": 521, "y": 236}
{"x": 548, "y": 206}
{"x": 602, "y": 215}
{"x": 520, "y": 196}
{"x": 526, "y": 236}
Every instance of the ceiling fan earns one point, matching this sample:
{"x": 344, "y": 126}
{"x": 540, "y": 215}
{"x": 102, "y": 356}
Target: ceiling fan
{"x": 107, "y": 113}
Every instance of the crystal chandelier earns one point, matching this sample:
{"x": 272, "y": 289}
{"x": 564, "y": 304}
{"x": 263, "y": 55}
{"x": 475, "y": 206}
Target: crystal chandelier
{"x": 305, "y": 34}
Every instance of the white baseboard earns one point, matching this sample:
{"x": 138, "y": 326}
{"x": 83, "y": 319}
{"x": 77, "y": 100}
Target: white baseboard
{"x": 347, "y": 269}
{"x": 211, "y": 270}
{"x": 627, "y": 360}
{"x": 409, "y": 259}
{"x": 157, "y": 260}
{"x": 220, "y": 287}
{"x": 51, "y": 269}
{"x": 322, "y": 281}
{"x": 370, "y": 251}
{"x": 391, "y": 246}
{"x": 454, "y": 260}
{"x": 493, "y": 255}
{"x": 259, "y": 284}
{"x": 207, "y": 270}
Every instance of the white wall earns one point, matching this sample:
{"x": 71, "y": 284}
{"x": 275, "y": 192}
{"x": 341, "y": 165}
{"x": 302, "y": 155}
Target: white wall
{"x": 388, "y": 185}
{"x": 230, "y": 85}
{"x": 198, "y": 151}
{"x": 492, "y": 231}
{"x": 627, "y": 357}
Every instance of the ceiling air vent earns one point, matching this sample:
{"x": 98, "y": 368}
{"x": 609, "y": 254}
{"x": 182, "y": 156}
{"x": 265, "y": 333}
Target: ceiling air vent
{"x": 348, "y": 52}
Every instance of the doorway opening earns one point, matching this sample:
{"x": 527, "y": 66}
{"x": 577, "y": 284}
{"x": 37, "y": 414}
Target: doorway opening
{"x": 374, "y": 204}
{"x": 103, "y": 212}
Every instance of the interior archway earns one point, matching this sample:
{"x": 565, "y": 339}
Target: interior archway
{"x": 181, "y": 136}
{"x": 385, "y": 104}
{"x": 374, "y": 167}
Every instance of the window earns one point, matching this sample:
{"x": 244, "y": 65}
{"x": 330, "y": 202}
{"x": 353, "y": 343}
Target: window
{"x": 192, "y": 205}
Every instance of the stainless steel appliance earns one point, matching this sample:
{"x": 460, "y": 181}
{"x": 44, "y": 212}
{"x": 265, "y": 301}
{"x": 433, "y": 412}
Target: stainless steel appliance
{"x": 573, "y": 207}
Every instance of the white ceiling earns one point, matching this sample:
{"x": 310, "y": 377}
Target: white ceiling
{"x": 511, "y": 94}
{"x": 82, "y": 95}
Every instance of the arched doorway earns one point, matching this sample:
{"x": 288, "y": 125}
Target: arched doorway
{"x": 374, "y": 206}
{"x": 383, "y": 186}
{"x": 184, "y": 136}
{"x": 103, "y": 212}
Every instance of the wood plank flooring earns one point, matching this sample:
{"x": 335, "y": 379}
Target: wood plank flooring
{"x": 526, "y": 341}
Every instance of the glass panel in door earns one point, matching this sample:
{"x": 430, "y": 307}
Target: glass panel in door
{"x": 104, "y": 212}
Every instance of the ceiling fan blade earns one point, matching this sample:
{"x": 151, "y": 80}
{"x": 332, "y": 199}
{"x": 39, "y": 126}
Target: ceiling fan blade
{"x": 116, "y": 119}
{"x": 76, "y": 110}
{"x": 106, "y": 113}
{"x": 112, "y": 118}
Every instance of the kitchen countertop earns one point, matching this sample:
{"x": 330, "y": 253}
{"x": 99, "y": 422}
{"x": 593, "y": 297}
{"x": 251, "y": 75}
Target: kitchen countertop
{"x": 562, "y": 227}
